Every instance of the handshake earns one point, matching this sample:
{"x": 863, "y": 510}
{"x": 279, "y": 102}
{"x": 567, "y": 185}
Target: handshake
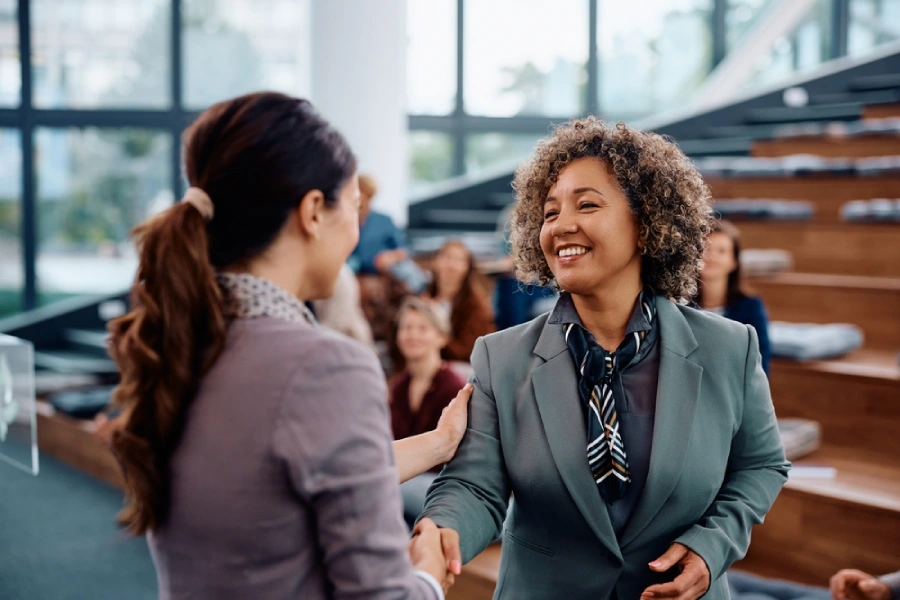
{"x": 436, "y": 551}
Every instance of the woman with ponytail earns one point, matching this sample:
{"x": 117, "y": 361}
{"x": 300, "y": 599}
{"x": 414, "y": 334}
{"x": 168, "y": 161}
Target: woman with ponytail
{"x": 256, "y": 444}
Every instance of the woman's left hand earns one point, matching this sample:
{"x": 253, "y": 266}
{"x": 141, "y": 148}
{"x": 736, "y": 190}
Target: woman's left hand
{"x": 452, "y": 425}
{"x": 693, "y": 581}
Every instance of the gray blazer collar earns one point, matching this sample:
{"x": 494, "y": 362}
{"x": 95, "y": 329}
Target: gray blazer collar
{"x": 675, "y": 333}
{"x": 556, "y": 394}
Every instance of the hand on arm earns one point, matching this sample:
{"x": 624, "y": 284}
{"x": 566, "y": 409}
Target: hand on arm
{"x": 419, "y": 453}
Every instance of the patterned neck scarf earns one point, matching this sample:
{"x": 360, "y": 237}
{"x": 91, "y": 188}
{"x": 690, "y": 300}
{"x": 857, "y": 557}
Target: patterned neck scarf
{"x": 597, "y": 368}
{"x": 251, "y": 297}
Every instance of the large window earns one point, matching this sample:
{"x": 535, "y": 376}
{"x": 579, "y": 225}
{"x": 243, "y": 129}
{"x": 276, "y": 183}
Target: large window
{"x": 872, "y": 23}
{"x": 89, "y": 137}
{"x": 96, "y": 54}
{"x": 486, "y": 78}
{"x": 653, "y": 55}
{"x": 11, "y": 272}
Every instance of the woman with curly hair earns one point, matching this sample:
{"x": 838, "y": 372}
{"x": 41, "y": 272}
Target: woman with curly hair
{"x": 636, "y": 435}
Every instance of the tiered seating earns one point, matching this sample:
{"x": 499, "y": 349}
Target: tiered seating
{"x": 846, "y": 272}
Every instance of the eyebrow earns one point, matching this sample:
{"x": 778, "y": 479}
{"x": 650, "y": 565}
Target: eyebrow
{"x": 576, "y": 191}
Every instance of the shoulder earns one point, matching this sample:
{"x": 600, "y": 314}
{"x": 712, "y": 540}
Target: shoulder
{"x": 517, "y": 339}
{"x": 710, "y": 329}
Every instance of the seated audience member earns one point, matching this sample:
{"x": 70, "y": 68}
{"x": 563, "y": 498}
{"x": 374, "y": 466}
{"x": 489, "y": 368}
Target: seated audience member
{"x": 380, "y": 259}
{"x": 421, "y": 392}
{"x": 721, "y": 287}
{"x": 343, "y": 311}
{"x": 381, "y": 243}
{"x": 456, "y": 288}
{"x": 851, "y": 584}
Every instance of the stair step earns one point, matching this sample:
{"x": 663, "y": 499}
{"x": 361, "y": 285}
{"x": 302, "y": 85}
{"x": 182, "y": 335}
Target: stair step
{"x": 881, "y": 111}
{"x": 787, "y": 114}
{"x": 828, "y": 192}
{"x": 732, "y": 146}
{"x": 857, "y": 146}
{"x": 819, "y": 526}
{"x": 855, "y": 399}
{"x": 881, "y": 96}
{"x": 831, "y": 248}
{"x": 876, "y": 82}
{"x": 870, "y": 303}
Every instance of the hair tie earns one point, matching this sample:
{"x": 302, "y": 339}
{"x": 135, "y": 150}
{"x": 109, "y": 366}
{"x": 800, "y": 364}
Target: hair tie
{"x": 200, "y": 200}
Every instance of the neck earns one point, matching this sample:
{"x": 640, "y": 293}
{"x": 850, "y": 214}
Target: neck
{"x": 606, "y": 313}
{"x": 447, "y": 291}
{"x": 715, "y": 292}
{"x": 426, "y": 367}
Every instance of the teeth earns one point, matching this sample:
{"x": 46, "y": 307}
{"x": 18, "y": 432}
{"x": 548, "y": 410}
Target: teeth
{"x": 572, "y": 251}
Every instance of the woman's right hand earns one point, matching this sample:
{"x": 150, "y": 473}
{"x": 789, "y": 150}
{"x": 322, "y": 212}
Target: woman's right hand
{"x": 426, "y": 550}
{"x": 452, "y": 425}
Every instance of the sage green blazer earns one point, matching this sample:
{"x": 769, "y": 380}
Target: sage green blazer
{"x": 716, "y": 465}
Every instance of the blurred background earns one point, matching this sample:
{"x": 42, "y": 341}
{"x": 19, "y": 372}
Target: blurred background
{"x": 790, "y": 109}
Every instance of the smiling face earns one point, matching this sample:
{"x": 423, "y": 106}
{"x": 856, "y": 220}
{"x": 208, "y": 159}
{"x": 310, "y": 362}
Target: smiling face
{"x": 590, "y": 235}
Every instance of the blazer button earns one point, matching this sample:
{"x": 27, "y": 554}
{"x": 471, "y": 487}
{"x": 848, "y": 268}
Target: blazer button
{"x": 614, "y": 562}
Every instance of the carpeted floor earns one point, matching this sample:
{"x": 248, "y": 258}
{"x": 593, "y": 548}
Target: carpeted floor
{"x": 59, "y": 540}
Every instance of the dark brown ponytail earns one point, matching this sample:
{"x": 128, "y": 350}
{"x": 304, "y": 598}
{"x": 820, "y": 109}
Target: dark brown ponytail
{"x": 256, "y": 157}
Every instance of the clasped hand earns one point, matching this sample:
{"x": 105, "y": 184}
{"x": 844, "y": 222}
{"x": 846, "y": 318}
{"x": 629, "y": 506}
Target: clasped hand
{"x": 436, "y": 551}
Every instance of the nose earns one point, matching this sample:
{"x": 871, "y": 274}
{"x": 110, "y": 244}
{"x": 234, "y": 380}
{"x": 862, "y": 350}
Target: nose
{"x": 565, "y": 224}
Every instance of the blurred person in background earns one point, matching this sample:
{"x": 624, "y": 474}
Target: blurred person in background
{"x": 420, "y": 393}
{"x": 222, "y": 364}
{"x": 343, "y": 310}
{"x": 851, "y": 584}
{"x": 381, "y": 244}
{"x": 381, "y": 261}
{"x": 456, "y": 286}
{"x": 721, "y": 288}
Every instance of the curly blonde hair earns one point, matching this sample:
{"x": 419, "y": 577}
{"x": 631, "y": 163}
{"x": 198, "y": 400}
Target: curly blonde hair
{"x": 664, "y": 190}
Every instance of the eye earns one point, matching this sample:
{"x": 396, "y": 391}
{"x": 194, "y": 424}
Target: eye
{"x": 589, "y": 204}
{"x": 549, "y": 214}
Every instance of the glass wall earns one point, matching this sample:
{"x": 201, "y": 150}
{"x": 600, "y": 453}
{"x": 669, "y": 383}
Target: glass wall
{"x": 89, "y": 139}
{"x": 525, "y": 65}
{"x": 99, "y": 54}
{"x": 11, "y": 273}
{"x": 872, "y": 23}
{"x": 94, "y": 185}
{"x": 10, "y": 70}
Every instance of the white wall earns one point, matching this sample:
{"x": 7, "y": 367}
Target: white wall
{"x": 359, "y": 84}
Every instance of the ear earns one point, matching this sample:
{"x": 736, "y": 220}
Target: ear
{"x": 311, "y": 213}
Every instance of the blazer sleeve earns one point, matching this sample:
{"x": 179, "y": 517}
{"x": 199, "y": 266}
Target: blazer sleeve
{"x": 472, "y": 492}
{"x": 892, "y": 580}
{"x": 332, "y": 435}
{"x": 756, "y": 316}
{"x": 757, "y": 470}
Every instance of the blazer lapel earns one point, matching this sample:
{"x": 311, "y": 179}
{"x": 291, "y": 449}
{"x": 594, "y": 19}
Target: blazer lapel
{"x": 556, "y": 392}
{"x": 676, "y": 401}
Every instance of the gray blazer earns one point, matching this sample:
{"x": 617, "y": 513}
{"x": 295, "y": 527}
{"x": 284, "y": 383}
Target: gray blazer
{"x": 716, "y": 466}
{"x": 284, "y": 484}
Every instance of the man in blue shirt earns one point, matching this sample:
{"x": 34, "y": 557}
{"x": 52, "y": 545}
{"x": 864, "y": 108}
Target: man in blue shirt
{"x": 381, "y": 243}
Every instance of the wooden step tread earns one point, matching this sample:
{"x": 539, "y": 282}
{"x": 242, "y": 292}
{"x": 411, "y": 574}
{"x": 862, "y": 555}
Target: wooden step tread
{"x": 862, "y": 479}
{"x": 864, "y": 363}
{"x": 873, "y": 284}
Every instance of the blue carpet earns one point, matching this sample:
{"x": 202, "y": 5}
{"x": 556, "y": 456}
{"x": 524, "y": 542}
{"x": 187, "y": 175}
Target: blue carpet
{"x": 59, "y": 539}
